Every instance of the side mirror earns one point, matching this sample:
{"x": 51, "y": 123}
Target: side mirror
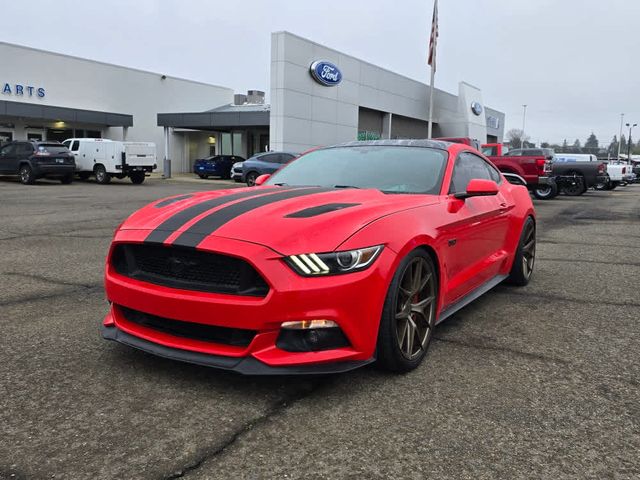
{"x": 479, "y": 188}
{"x": 261, "y": 179}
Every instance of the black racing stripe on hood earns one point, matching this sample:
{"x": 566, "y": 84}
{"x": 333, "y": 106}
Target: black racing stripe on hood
{"x": 170, "y": 225}
{"x": 209, "y": 224}
{"x": 169, "y": 201}
{"x": 320, "y": 209}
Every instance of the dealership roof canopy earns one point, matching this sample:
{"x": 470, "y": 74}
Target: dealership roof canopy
{"x": 64, "y": 114}
{"x": 222, "y": 118}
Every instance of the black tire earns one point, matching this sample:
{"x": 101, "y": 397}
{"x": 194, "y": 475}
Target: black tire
{"x": 585, "y": 188}
{"x": 202, "y": 176}
{"x": 525, "y": 256}
{"x": 613, "y": 185}
{"x": 227, "y": 175}
{"x": 137, "y": 177}
{"x": 395, "y": 350}
{"x": 577, "y": 188}
{"x": 546, "y": 192}
{"x": 102, "y": 177}
{"x": 26, "y": 175}
{"x": 67, "y": 179}
{"x": 251, "y": 178}
{"x": 84, "y": 175}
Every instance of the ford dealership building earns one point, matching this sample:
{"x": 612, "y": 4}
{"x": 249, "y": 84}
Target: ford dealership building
{"x": 318, "y": 96}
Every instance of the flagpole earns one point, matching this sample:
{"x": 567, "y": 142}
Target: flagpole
{"x": 430, "y": 127}
{"x": 432, "y": 62}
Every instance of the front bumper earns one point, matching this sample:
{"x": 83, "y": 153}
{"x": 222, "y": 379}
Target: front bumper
{"x": 354, "y": 301}
{"x": 243, "y": 365}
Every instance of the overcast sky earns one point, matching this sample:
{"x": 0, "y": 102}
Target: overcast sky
{"x": 575, "y": 63}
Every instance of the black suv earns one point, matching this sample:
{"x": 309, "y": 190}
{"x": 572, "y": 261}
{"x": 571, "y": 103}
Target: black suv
{"x": 33, "y": 160}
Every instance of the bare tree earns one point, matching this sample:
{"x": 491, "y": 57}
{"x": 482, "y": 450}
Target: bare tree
{"x": 516, "y": 138}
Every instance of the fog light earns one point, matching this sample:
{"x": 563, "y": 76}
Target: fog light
{"x": 311, "y": 336}
{"x": 308, "y": 324}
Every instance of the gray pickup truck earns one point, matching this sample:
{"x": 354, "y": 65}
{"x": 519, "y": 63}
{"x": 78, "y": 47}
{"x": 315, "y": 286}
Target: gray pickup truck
{"x": 574, "y": 174}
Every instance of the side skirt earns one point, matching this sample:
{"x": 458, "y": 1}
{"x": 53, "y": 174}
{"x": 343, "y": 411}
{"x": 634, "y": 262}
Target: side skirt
{"x": 470, "y": 297}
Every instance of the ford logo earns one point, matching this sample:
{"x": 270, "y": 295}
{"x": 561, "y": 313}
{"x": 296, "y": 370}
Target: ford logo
{"x": 476, "y": 108}
{"x": 325, "y": 73}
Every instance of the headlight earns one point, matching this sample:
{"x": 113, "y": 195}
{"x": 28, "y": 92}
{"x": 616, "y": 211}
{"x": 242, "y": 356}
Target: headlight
{"x": 333, "y": 263}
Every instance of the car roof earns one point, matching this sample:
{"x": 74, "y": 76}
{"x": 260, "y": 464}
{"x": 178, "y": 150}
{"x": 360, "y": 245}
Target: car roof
{"x": 261, "y": 154}
{"x": 423, "y": 143}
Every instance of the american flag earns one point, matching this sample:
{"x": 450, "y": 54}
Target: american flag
{"x": 434, "y": 37}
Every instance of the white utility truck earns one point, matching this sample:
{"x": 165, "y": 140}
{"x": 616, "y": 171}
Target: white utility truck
{"x": 110, "y": 158}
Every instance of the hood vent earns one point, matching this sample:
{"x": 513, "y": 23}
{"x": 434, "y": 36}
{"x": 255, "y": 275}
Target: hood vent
{"x": 320, "y": 209}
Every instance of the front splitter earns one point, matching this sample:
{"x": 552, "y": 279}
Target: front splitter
{"x": 243, "y": 365}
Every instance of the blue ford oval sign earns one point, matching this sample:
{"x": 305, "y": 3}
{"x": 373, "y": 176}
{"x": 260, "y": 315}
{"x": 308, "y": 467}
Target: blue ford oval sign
{"x": 325, "y": 73}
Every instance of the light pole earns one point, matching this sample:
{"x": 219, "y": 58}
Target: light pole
{"x": 629, "y": 142}
{"x": 620, "y": 137}
{"x": 524, "y": 116}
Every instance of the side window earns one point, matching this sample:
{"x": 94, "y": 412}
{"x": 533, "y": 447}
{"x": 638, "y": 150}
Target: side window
{"x": 75, "y": 146}
{"x": 494, "y": 173}
{"x": 515, "y": 153}
{"x": 286, "y": 158}
{"x": 272, "y": 158}
{"x": 489, "y": 151}
{"x": 7, "y": 150}
{"x": 24, "y": 149}
{"x": 468, "y": 167}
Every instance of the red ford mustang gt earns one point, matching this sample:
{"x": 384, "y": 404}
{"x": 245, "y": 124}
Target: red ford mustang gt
{"x": 348, "y": 255}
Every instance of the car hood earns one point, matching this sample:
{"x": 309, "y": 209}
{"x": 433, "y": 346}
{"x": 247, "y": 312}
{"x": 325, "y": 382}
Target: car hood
{"x": 287, "y": 220}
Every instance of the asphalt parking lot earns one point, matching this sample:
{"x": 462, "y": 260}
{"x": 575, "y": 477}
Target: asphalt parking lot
{"x": 538, "y": 382}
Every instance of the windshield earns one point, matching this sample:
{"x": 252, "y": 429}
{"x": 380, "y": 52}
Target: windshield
{"x": 391, "y": 169}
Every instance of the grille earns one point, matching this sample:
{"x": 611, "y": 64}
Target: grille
{"x": 236, "y": 337}
{"x": 188, "y": 269}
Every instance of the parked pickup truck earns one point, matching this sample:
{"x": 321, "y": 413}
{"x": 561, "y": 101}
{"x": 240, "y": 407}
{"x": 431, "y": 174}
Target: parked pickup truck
{"x": 532, "y": 164}
{"x": 617, "y": 174}
{"x": 575, "y": 174}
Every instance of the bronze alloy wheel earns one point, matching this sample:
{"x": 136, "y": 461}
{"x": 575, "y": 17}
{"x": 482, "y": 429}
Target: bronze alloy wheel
{"x": 415, "y": 308}
{"x": 528, "y": 249}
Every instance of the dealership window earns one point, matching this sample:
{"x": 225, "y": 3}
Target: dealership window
{"x": 225, "y": 144}
{"x": 94, "y": 134}
{"x": 231, "y": 143}
{"x": 364, "y": 135}
{"x": 264, "y": 142}
{"x": 34, "y": 136}
{"x": 5, "y": 137}
{"x": 237, "y": 144}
